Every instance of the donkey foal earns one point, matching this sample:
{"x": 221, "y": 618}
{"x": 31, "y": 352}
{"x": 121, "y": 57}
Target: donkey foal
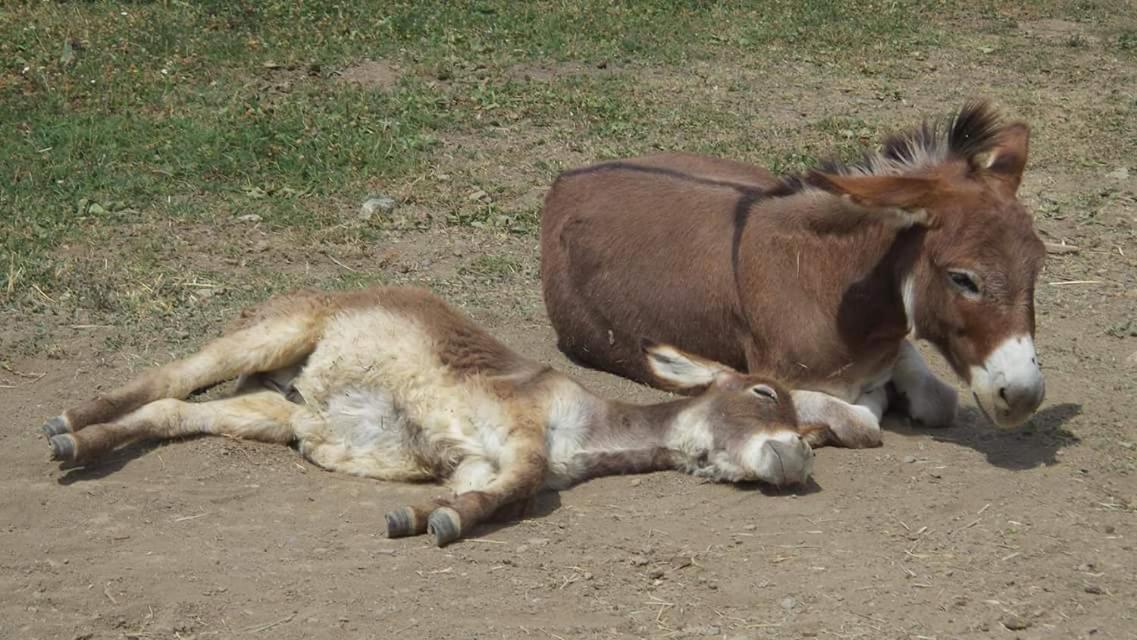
{"x": 394, "y": 384}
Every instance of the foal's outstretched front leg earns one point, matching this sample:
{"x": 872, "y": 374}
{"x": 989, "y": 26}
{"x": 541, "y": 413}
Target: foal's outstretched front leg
{"x": 267, "y": 345}
{"x": 930, "y": 400}
{"x": 520, "y": 473}
{"x": 266, "y": 416}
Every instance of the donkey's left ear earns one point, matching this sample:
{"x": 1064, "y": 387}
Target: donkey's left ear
{"x": 901, "y": 199}
{"x": 679, "y": 370}
{"x": 1005, "y": 162}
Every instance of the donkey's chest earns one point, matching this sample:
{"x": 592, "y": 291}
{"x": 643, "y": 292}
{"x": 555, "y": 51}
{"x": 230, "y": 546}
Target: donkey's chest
{"x": 839, "y": 371}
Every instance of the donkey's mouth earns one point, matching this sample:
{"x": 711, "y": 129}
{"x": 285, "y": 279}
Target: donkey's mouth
{"x": 983, "y": 410}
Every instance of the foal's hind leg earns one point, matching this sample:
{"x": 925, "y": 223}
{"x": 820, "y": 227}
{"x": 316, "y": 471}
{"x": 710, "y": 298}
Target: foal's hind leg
{"x": 265, "y": 416}
{"x": 273, "y": 343}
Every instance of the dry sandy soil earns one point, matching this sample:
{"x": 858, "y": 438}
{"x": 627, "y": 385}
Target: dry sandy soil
{"x": 960, "y": 533}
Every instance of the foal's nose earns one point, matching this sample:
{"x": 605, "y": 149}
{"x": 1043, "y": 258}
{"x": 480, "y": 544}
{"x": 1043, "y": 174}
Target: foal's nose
{"x": 783, "y": 459}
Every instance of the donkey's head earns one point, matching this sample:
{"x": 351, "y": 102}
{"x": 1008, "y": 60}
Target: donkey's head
{"x": 969, "y": 288}
{"x": 740, "y": 428}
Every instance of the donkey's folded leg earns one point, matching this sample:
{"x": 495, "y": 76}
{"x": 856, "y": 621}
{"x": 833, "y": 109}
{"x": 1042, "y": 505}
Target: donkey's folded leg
{"x": 270, "y": 344}
{"x": 264, "y": 416}
{"x": 845, "y": 425}
{"x": 521, "y": 473}
{"x": 931, "y": 401}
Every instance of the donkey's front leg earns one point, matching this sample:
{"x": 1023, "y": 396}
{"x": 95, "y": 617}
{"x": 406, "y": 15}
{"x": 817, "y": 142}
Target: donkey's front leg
{"x": 827, "y": 420}
{"x": 520, "y": 473}
{"x": 472, "y": 474}
{"x": 930, "y": 401}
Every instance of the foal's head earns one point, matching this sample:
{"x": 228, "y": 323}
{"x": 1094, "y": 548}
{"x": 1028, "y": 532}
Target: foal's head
{"x": 970, "y": 288}
{"x": 740, "y": 428}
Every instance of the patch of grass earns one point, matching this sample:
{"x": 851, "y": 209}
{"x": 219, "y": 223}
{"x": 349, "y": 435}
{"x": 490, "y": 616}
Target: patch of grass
{"x": 1127, "y": 41}
{"x": 131, "y": 127}
{"x": 493, "y": 266}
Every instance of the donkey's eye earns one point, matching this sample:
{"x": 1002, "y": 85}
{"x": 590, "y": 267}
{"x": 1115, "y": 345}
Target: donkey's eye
{"x": 764, "y": 391}
{"x": 964, "y": 281}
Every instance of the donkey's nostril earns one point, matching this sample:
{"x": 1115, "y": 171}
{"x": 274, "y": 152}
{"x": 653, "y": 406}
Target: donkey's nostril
{"x": 1003, "y": 394}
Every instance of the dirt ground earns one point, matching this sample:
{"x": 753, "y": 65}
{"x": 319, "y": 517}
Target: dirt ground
{"x": 960, "y": 533}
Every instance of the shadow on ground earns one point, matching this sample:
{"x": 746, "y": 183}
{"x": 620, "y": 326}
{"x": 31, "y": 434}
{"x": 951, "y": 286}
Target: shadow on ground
{"x": 1032, "y": 445}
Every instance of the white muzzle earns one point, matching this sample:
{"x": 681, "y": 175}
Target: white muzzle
{"x": 1009, "y": 386}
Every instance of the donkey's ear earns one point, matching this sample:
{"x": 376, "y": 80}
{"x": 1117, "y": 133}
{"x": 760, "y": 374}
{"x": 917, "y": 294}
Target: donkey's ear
{"x": 680, "y": 370}
{"x": 902, "y": 197}
{"x": 1005, "y": 162}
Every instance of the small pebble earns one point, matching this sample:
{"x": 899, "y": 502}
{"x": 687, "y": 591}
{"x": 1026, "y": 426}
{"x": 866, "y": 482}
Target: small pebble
{"x": 909, "y": 459}
{"x": 1094, "y": 589}
{"x": 788, "y": 603}
{"x": 376, "y": 204}
{"x": 637, "y": 482}
{"x": 655, "y": 573}
{"x": 1015, "y": 623}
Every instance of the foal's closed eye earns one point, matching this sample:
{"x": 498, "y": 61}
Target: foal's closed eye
{"x": 764, "y": 391}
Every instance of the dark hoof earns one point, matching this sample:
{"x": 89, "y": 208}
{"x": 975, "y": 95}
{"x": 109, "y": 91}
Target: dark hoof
{"x": 62, "y": 447}
{"x": 402, "y": 523}
{"x": 444, "y": 525}
{"x": 56, "y": 426}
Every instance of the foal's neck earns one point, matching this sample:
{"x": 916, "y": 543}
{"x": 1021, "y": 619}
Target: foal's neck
{"x": 629, "y": 438}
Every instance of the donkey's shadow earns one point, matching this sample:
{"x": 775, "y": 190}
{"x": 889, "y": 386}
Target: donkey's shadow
{"x": 1032, "y": 445}
{"x": 109, "y": 464}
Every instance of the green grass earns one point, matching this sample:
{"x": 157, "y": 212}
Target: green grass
{"x": 125, "y": 121}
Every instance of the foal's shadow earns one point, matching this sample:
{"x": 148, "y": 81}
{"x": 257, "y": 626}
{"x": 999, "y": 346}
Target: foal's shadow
{"x": 546, "y": 502}
{"x": 809, "y": 487}
{"x": 106, "y": 465}
{"x": 1032, "y": 445}
{"x": 536, "y": 508}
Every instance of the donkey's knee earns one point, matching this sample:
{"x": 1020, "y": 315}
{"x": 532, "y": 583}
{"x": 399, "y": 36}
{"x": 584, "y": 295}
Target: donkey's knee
{"x": 849, "y": 425}
{"x": 933, "y": 403}
{"x": 930, "y": 401}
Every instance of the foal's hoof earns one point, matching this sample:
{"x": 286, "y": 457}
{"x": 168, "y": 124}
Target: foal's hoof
{"x": 62, "y": 447}
{"x": 402, "y": 523}
{"x": 56, "y": 426}
{"x": 444, "y": 525}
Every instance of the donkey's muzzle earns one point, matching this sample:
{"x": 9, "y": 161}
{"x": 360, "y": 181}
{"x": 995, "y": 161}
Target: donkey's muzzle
{"x": 1009, "y": 387}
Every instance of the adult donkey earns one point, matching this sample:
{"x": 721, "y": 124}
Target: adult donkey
{"x": 819, "y": 279}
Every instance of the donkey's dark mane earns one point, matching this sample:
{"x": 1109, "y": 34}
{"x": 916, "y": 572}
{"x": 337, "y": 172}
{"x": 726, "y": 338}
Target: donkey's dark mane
{"x": 969, "y": 132}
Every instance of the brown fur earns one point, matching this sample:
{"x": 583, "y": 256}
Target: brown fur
{"x": 797, "y": 278}
{"x": 476, "y": 413}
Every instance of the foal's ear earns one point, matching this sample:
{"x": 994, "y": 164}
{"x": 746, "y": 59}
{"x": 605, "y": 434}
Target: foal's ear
{"x": 1005, "y": 162}
{"x": 680, "y": 370}
{"x": 901, "y": 197}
